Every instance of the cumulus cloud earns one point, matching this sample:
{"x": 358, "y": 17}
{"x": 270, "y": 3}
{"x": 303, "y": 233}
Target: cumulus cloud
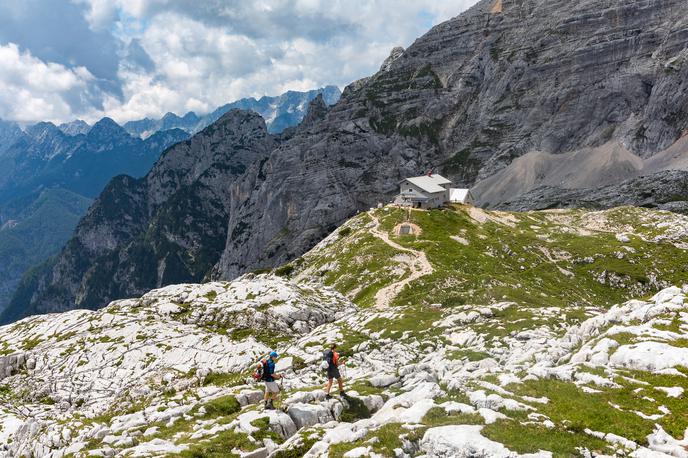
{"x": 181, "y": 55}
{"x": 57, "y": 31}
{"x": 31, "y": 89}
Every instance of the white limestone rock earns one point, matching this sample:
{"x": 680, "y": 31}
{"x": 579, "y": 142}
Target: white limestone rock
{"x": 305, "y": 415}
{"x": 465, "y": 441}
{"x": 383, "y": 380}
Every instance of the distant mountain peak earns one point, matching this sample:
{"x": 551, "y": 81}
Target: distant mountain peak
{"x": 190, "y": 116}
{"x": 43, "y": 130}
{"x": 75, "y": 127}
{"x": 106, "y": 128}
{"x": 169, "y": 115}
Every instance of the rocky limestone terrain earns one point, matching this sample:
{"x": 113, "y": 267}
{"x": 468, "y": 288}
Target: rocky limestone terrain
{"x": 597, "y": 84}
{"x": 554, "y": 333}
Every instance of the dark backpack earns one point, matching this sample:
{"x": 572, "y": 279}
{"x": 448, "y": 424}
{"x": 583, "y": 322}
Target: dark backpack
{"x": 327, "y": 360}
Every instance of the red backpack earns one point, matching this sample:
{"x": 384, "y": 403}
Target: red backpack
{"x": 260, "y": 370}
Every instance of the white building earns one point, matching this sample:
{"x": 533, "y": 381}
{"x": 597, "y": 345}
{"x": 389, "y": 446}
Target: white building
{"x": 461, "y": 196}
{"x": 427, "y": 191}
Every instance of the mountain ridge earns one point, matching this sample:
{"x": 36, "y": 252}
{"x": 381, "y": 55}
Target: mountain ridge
{"x": 280, "y": 112}
{"x": 153, "y": 244}
{"x": 43, "y": 160}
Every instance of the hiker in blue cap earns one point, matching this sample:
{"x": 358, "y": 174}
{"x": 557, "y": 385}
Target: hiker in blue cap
{"x": 272, "y": 389}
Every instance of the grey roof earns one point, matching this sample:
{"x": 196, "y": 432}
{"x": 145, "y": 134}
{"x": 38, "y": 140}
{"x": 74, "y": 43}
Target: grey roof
{"x": 429, "y": 183}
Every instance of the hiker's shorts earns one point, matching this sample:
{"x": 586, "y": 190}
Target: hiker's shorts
{"x": 272, "y": 387}
{"x": 333, "y": 372}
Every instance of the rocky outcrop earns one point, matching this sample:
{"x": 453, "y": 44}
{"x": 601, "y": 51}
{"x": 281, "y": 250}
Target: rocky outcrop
{"x": 11, "y": 364}
{"x": 394, "y": 55}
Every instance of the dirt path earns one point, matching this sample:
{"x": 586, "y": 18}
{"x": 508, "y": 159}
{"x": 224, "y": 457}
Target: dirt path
{"x": 417, "y": 263}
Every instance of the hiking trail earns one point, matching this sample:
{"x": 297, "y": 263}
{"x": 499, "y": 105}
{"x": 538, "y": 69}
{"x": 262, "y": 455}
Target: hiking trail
{"x": 417, "y": 264}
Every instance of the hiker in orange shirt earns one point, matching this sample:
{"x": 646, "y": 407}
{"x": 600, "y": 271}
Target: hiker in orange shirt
{"x": 333, "y": 363}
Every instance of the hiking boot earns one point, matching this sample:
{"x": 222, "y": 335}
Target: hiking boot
{"x": 342, "y": 393}
{"x": 328, "y": 396}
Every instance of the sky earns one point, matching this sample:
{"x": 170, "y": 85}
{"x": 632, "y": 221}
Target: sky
{"x": 128, "y": 59}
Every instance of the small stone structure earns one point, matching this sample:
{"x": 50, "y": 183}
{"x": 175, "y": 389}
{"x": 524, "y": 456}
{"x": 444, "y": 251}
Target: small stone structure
{"x": 407, "y": 229}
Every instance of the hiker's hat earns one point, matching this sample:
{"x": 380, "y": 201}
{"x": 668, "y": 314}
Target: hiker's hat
{"x": 273, "y": 354}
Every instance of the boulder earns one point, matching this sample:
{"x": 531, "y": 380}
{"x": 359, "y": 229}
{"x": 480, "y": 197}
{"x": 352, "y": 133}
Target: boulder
{"x": 306, "y": 397}
{"x": 305, "y": 415}
{"x": 383, "y": 380}
{"x": 248, "y": 397}
{"x": 282, "y": 424}
{"x": 260, "y": 453}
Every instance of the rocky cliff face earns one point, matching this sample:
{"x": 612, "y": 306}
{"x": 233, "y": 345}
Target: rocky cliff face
{"x": 503, "y": 80}
{"x": 467, "y": 98}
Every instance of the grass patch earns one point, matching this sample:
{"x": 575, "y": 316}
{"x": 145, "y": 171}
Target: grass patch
{"x": 468, "y": 354}
{"x": 223, "y": 406}
{"x": 354, "y": 410}
{"x": 222, "y": 445}
{"x": 437, "y": 416}
{"x": 285, "y": 271}
{"x": 225, "y": 379}
{"x": 305, "y": 443}
{"x": 569, "y": 405}
{"x": 533, "y": 438}
{"x": 30, "y": 344}
{"x": 356, "y": 264}
{"x": 270, "y": 338}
